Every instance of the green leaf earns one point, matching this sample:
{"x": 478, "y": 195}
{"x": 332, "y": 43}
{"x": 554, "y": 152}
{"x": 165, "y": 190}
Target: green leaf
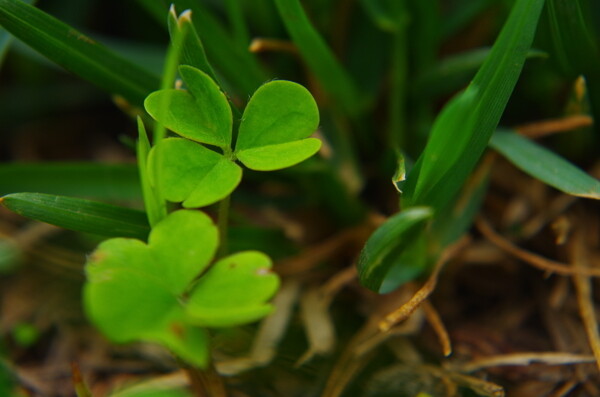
{"x": 78, "y": 214}
{"x": 127, "y": 296}
{"x": 76, "y": 52}
{"x": 279, "y": 113}
{"x": 233, "y": 291}
{"x": 200, "y": 113}
{"x": 189, "y": 172}
{"x": 463, "y": 129}
{"x": 133, "y": 289}
{"x": 384, "y": 248}
{"x": 275, "y": 157}
{"x": 544, "y": 165}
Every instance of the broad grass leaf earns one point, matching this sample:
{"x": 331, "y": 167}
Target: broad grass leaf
{"x": 545, "y": 165}
{"x": 79, "y": 215}
{"x": 234, "y": 291}
{"x": 462, "y": 131}
{"x": 190, "y": 173}
{"x": 278, "y": 156}
{"x": 76, "y": 52}
{"x": 279, "y": 112}
{"x": 384, "y": 248}
{"x": 200, "y": 113}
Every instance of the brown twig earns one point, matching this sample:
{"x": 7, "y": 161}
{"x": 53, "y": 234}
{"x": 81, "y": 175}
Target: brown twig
{"x": 547, "y": 127}
{"x": 529, "y": 257}
{"x": 583, "y": 288}
{"x": 434, "y": 319}
{"x": 404, "y": 311}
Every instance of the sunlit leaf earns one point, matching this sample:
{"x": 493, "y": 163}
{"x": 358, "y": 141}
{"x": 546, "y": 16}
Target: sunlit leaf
{"x": 234, "y": 291}
{"x": 190, "y": 173}
{"x": 200, "y": 113}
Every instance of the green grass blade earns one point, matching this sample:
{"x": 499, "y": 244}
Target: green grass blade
{"x": 156, "y": 208}
{"x": 6, "y": 38}
{"x": 79, "y": 215}
{"x": 235, "y": 63}
{"x": 463, "y": 129}
{"x": 319, "y": 57}
{"x": 76, "y": 52}
{"x": 384, "y": 247}
{"x": 575, "y": 43}
{"x": 544, "y": 165}
{"x": 454, "y": 72}
{"x": 192, "y": 50}
{"x": 107, "y": 182}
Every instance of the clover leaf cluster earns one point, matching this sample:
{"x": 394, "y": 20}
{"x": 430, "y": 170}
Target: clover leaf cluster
{"x": 273, "y": 134}
{"x": 166, "y": 290}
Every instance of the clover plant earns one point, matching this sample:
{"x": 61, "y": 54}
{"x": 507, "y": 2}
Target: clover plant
{"x": 273, "y": 134}
{"x": 166, "y": 291}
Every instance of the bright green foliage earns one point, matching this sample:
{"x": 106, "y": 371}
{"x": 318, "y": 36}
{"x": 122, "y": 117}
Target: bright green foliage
{"x": 200, "y": 113}
{"x": 192, "y": 173}
{"x": 217, "y": 300}
{"x": 273, "y": 134}
{"x": 545, "y": 165}
{"x": 136, "y": 291}
{"x": 78, "y": 214}
{"x": 275, "y": 126}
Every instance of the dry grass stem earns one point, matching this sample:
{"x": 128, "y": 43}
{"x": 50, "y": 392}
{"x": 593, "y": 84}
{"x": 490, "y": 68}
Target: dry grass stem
{"x": 525, "y": 358}
{"x": 583, "y": 288}
{"x": 529, "y": 257}
{"x": 547, "y": 127}
{"x": 434, "y": 319}
{"x": 404, "y": 311}
{"x": 272, "y": 45}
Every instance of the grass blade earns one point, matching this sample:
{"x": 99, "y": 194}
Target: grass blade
{"x": 463, "y": 129}
{"x": 544, "y": 165}
{"x": 76, "y": 52}
{"x": 79, "y": 215}
{"x": 108, "y": 182}
{"x": 191, "y": 48}
{"x": 225, "y": 54}
{"x": 575, "y": 43}
{"x": 383, "y": 249}
{"x": 156, "y": 208}
{"x": 319, "y": 57}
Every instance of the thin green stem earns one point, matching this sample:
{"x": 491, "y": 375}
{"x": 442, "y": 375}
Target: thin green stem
{"x": 222, "y": 224}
